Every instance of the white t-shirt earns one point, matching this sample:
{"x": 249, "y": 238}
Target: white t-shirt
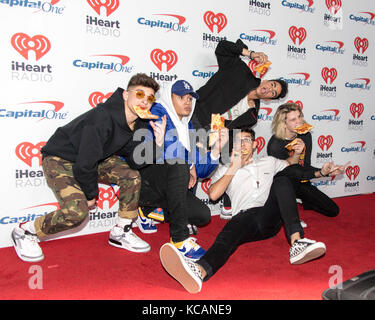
{"x": 240, "y": 108}
{"x": 251, "y": 184}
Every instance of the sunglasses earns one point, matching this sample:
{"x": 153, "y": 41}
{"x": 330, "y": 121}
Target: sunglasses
{"x": 140, "y": 95}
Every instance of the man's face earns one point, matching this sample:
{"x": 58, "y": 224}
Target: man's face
{"x": 268, "y": 90}
{"x": 245, "y": 143}
{"x": 293, "y": 120}
{"x": 182, "y": 104}
{"x": 139, "y": 96}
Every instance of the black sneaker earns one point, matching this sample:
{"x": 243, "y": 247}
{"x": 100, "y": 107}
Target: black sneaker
{"x": 304, "y": 250}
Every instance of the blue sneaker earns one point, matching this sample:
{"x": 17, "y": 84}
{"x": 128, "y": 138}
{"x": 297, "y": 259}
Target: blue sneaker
{"x": 189, "y": 249}
{"x": 145, "y": 224}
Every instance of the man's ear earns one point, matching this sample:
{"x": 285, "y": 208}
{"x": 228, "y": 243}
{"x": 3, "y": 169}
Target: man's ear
{"x": 125, "y": 95}
{"x": 255, "y": 144}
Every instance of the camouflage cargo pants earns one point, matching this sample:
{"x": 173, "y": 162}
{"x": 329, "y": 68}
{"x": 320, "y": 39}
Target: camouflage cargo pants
{"x": 73, "y": 203}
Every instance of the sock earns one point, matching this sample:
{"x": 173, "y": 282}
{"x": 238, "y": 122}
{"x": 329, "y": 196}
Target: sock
{"x": 122, "y": 222}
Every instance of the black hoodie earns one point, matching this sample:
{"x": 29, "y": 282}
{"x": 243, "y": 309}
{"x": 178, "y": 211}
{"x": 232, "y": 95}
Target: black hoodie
{"x": 94, "y": 136}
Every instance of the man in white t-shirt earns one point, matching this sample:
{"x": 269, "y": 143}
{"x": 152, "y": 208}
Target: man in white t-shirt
{"x": 263, "y": 199}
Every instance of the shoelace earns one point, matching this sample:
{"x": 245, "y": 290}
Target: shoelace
{"x": 30, "y": 237}
{"x": 193, "y": 242}
{"x": 194, "y": 267}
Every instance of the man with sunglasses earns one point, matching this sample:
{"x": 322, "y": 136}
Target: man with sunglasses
{"x": 233, "y": 91}
{"x": 88, "y": 151}
{"x": 263, "y": 199}
{"x": 167, "y": 183}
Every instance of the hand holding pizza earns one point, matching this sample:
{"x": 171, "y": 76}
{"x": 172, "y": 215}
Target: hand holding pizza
{"x": 159, "y": 130}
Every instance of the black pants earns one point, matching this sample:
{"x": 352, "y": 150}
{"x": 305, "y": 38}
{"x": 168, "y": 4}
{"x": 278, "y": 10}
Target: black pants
{"x": 166, "y": 186}
{"x": 255, "y": 224}
{"x": 314, "y": 199}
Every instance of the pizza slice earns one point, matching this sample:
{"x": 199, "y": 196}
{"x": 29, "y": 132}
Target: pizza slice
{"x": 143, "y": 113}
{"x": 217, "y": 122}
{"x": 290, "y": 145}
{"x": 305, "y": 128}
{"x": 262, "y": 68}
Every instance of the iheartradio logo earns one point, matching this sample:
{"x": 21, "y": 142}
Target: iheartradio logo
{"x": 97, "y": 97}
{"x": 107, "y": 194}
{"x": 297, "y": 33}
{"x": 252, "y": 64}
{"x": 26, "y": 151}
{"x": 356, "y": 109}
{"x": 325, "y": 141}
{"x": 23, "y": 43}
{"x": 361, "y": 44}
{"x": 297, "y": 102}
{"x": 158, "y": 57}
{"x": 211, "y": 19}
{"x": 205, "y": 185}
{"x": 329, "y": 74}
{"x": 333, "y": 5}
{"x": 261, "y": 142}
{"x": 109, "y": 5}
{"x": 352, "y": 172}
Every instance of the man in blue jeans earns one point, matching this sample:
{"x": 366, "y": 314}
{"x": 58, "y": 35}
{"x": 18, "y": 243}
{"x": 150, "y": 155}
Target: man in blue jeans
{"x": 263, "y": 199}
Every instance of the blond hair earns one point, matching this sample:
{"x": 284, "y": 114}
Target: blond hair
{"x": 278, "y": 122}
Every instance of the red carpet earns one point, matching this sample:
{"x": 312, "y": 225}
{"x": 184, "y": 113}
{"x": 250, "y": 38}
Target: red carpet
{"x": 86, "y": 267}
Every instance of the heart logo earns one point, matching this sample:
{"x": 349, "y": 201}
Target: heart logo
{"x": 22, "y": 43}
{"x": 329, "y": 74}
{"x": 211, "y": 19}
{"x": 261, "y": 142}
{"x": 325, "y": 141}
{"x": 97, "y": 97}
{"x": 110, "y": 5}
{"x": 361, "y": 44}
{"x": 356, "y": 109}
{"x": 158, "y": 57}
{"x": 26, "y": 151}
{"x": 352, "y": 172}
{"x": 297, "y": 33}
{"x": 107, "y": 194}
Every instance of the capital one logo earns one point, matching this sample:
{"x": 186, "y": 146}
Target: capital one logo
{"x": 297, "y": 33}
{"x": 297, "y": 102}
{"x": 107, "y": 194}
{"x": 333, "y": 5}
{"x": 109, "y": 5}
{"x": 352, "y": 172}
{"x": 361, "y": 44}
{"x": 23, "y": 43}
{"x": 211, "y": 19}
{"x": 261, "y": 142}
{"x": 329, "y": 74}
{"x": 159, "y": 57}
{"x": 325, "y": 141}
{"x": 356, "y": 109}
{"x": 98, "y": 97}
{"x": 26, "y": 151}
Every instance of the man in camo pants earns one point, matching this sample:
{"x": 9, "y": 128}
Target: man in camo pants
{"x": 88, "y": 151}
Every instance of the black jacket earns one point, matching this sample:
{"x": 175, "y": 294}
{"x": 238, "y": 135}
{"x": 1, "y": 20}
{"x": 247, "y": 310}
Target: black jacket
{"x": 94, "y": 136}
{"x": 231, "y": 83}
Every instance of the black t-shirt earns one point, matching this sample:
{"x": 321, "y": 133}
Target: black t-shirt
{"x": 276, "y": 148}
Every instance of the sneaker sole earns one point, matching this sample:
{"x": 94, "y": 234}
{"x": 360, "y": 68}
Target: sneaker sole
{"x": 25, "y": 258}
{"x": 312, "y": 252}
{"x": 117, "y": 244}
{"x": 175, "y": 265}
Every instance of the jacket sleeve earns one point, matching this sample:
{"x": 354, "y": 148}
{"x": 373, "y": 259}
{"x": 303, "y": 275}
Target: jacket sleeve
{"x": 204, "y": 165}
{"x": 228, "y": 52}
{"x": 85, "y": 168}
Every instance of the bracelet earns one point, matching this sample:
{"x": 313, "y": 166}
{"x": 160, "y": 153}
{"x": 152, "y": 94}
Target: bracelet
{"x": 250, "y": 55}
{"x": 321, "y": 173}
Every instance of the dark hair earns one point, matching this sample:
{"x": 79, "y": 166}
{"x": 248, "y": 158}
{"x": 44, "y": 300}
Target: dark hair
{"x": 232, "y": 133}
{"x": 284, "y": 88}
{"x": 142, "y": 79}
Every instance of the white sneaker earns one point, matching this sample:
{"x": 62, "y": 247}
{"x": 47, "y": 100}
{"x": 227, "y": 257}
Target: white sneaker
{"x": 185, "y": 271}
{"x": 125, "y": 238}
{"x": 304, "y": 250}
{"x": 26, "y": 245}
{"x": 226, "y": 213}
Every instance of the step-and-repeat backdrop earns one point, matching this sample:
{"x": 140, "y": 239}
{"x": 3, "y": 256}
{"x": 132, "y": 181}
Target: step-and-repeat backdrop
{"x": 60, "y": 58}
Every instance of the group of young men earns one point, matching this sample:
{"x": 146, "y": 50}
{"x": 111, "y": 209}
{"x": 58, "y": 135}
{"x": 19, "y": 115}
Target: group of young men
{"x": 156, "y": 163}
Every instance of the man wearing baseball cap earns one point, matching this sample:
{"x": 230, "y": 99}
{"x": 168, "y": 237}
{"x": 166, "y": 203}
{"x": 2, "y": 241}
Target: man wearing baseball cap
{"x": 167, "y": 184}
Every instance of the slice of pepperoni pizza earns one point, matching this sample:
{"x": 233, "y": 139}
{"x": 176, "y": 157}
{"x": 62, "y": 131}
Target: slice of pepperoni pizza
{"x": 217, "y": 122}
{"x": 143, "y": 113}
{"x": 305, "y": 128}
